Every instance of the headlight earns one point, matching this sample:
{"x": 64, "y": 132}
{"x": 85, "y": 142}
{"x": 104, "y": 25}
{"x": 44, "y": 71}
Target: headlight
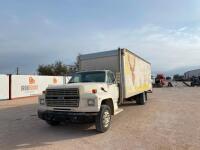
{"x": 91, "y": 102}
{"x": 42, "y": 101}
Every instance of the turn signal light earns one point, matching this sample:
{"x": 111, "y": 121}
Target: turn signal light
{"x": 94, "y": 91}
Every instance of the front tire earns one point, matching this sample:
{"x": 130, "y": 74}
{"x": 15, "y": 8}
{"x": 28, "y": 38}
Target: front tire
{"x": 103, "y": 119}
{"x": 53, "y": 123}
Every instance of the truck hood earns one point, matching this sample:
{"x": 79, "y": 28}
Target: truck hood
{"x": 75, "y": 85}
{"x": 83, "y": 87}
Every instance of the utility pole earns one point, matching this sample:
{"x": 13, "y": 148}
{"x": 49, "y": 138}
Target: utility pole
{"x": 17, "y": 71}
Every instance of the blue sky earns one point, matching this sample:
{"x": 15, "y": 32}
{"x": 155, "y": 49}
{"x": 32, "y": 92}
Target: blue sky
{"x": 166, "y": 33}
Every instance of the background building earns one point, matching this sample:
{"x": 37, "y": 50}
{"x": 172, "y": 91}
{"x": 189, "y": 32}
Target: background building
{"x": 192, "y": 73}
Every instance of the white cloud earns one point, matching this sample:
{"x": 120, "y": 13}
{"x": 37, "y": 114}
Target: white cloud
{"x": 167, "y": 49}
{"x": 48, "y": 21}
{"x": 15, "y": 19}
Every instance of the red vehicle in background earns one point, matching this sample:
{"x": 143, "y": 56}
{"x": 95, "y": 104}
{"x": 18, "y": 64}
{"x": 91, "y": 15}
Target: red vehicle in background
{"x": 160, "y": 80}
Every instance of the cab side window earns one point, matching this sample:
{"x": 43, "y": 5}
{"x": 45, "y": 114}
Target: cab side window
{"x": 111, "y": 78}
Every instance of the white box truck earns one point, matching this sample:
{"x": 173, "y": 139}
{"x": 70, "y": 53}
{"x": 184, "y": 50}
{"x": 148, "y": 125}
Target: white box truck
{"x": 105, "y": 81}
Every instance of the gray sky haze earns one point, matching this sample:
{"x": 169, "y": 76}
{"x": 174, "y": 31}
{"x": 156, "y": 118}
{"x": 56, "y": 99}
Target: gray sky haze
{"x": 166, "y": 33}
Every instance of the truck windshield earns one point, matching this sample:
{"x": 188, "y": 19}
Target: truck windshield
{"x": 95, "y": 76}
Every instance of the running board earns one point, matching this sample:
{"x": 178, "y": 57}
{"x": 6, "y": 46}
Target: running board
{"x": 118, "y": 111}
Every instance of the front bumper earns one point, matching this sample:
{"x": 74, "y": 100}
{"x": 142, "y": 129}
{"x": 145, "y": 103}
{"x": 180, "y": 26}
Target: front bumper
{"x": 83, "y": 105}
{"x": 63, "y": 115}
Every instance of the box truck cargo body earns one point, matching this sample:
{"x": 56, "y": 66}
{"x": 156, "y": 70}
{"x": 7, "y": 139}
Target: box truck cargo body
{"x": 105, "y": 81}
{"x": 132, "y": 72}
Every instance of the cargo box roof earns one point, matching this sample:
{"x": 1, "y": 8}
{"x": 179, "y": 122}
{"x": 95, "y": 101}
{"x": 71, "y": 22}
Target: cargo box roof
{"x": 108, "y": 53}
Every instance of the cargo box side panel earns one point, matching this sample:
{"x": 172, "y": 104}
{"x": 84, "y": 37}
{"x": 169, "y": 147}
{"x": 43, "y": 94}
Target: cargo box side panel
{"x": 137, "y": 75}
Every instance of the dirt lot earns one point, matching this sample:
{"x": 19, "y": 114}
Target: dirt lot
{"x": 170, "y": 120}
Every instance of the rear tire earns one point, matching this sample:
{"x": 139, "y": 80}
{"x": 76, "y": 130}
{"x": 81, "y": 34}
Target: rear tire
{"x": 141, "y": 99}
{"x": 103, "y": 119}
{"x": 146, "y": 96}
{"x": 53, "y": 123}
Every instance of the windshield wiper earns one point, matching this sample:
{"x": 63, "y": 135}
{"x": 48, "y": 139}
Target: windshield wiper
{"x": 71, "y": 82}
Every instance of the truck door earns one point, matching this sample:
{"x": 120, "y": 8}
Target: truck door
{"x": 112, "y": 86}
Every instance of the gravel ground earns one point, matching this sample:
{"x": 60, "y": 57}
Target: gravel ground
{"x": 170, "y": 120}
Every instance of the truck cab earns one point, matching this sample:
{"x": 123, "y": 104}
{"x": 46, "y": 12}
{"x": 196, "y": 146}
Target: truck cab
{"x": 88, "y": 93}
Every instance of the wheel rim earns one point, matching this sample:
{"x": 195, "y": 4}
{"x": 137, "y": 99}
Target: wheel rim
{"x": 106, "y": 118}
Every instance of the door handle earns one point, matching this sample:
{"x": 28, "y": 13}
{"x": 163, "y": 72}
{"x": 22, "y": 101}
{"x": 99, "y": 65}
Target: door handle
{"x": 103, "y": 89}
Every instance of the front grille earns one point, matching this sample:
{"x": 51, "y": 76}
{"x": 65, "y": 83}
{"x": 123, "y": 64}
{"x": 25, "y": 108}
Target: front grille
{"x": 62, "y": 97}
